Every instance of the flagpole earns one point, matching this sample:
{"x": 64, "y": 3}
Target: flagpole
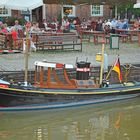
{"x": 109, "y": 72}
{"x": 117, "y": 68}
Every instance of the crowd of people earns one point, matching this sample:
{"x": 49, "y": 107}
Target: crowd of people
{"x": 109, "y": 25}
{"x": 15, "y": 34}
{"x": 93, "y": 24}
{"x": 18, "y": 30}
{"x": 68, "y": 24}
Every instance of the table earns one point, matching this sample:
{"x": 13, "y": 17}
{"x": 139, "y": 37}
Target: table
{"x": 128, "y": 33}
{"x": 95, "y": 34}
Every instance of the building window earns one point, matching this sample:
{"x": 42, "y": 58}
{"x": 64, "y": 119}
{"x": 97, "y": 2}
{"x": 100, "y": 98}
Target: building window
{"x": 68, "y": 10}
{"x": 96, "y": 10}
{"x": 5, "y": 12}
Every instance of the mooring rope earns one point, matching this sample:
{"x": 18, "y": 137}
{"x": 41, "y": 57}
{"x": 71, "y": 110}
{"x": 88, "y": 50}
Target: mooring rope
{"x": 128, "y": 66}
{"x": 135, "y": 66}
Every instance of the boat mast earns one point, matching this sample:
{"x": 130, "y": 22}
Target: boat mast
{"x": 102, "y": 64}
{"x": 26, "y": 62}
{"x": 27, "y": 46}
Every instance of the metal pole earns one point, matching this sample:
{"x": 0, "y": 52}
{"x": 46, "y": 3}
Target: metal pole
{"x": 116, "y": 11}
{"x": 109, "y": 72}
{"x": 102, "y": 64}
{"x": 44, "y": 11}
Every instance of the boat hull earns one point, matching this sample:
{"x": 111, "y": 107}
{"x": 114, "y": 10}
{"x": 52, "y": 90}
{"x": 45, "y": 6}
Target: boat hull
{"x": 33, "y": 98}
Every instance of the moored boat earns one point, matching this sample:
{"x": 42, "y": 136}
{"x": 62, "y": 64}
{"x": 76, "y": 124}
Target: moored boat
{"x": 48, "y": 90}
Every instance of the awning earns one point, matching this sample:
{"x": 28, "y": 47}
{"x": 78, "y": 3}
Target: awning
{"x": 137, "y": 5}
{"x": 21, "y": 4}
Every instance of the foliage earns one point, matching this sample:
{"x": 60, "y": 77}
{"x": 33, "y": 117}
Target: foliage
{"x": 129, "y": 7}
{"x": 59, "y": 17}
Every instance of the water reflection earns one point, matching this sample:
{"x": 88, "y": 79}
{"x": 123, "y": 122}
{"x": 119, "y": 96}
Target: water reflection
{"x": 113, "y": 121}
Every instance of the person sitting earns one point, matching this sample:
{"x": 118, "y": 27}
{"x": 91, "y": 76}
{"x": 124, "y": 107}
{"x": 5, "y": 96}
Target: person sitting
{"x": 73, "y": 24}
{"x": 63, "y": 23}
{"x": 119, "y": 24}
{"x": 136, "y": 24}
{"x": 107, "y": 26}
{"x": 99, "y": 25}
{"x": 84, "y": 23}
{"x": 4, "y": 28}
{"x": 93, "y": 25}
{"x": 125, "y": 24}
{"x": 45, "y": 23}
{"x": 55, "y": 24}
{"x": 66, "y": 26}
{"x": 17, "y": 43}
{"x": 35, "y": 27}
{"x": 18, "y": 28}
{"x": 114, "y": 25}
{"x": 14, "y": 33}
{"x": 1, "y": 23}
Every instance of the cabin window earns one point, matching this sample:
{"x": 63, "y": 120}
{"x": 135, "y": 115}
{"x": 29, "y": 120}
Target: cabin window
{"x": 96, "y": 10}
{"x": 4, "y": 12}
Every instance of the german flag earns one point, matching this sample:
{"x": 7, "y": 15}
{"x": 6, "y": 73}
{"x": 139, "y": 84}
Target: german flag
{"x": 117, "y": 68}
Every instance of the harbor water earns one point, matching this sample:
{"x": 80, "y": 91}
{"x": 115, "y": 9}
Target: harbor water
{"x": 107, "y": 121}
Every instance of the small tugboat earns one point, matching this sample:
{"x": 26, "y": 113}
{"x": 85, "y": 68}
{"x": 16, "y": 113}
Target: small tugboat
{"x": 50, "y": 91}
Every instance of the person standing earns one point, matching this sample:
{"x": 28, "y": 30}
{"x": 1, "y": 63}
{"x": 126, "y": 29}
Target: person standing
{"x": 17, "y": 26}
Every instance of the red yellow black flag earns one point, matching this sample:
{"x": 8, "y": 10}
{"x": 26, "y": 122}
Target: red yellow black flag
{"x": 117, "y": 68}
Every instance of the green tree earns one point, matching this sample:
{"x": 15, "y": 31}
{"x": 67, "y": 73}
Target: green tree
{"x": 129, "y": 8}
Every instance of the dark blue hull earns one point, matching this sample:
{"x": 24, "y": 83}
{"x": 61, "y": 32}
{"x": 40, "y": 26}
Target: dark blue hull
{"x": 31, "y": 98}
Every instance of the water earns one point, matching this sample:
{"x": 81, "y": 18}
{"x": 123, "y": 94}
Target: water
{"x": 111, "y": 121}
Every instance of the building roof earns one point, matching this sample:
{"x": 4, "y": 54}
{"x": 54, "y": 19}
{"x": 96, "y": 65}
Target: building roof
{"x": 76, "y": 2}
{"x": 21, "y": 4}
